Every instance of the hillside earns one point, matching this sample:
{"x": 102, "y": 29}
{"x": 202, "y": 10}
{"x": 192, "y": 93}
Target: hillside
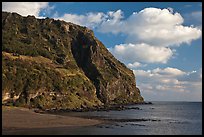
{"x": 49, "y": 63}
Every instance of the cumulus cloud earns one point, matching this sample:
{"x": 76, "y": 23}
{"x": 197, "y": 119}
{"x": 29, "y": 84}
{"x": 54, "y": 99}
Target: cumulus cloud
{"x": 90, "y": 19}
{"x": 141, "y": 52}
{"x": 158, "y": 82}
{"x": 94, "y": 19}
{"x": 154, "y": 26}
{"x": 25, "y": 8}
{"x": 169, "y": 82}
{"x": 169, "y": 71}
{"x": 151, "y": 32}
{"x": 136, "y": 65}
{"x": 113, "y": 23}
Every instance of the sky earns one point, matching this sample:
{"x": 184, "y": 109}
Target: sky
{"x": 160, "y": 41}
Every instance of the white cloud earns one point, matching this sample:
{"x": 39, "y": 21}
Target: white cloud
{"x": 115, "y": 16}
{"x": 154, "y": 26}
{"x": 94, "y": 19}
{"x": 157, "y": 30}
{"x": 169, "y": 71}
{"x": 25, "y": 8}
{"x": 90, "y": 19}
{"x": 165, "y": 75}
{"x": 161, "y": 87}
{"x": 169, "y": 82}
{"x": 136, "y": 65}
{"x": 113, "y": 22}
{"x": 141, "y": 53}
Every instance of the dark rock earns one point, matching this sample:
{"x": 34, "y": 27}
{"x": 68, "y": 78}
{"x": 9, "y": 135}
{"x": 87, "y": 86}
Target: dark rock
{"x": 38, "y": 111}
{"x": 130, "y": 120}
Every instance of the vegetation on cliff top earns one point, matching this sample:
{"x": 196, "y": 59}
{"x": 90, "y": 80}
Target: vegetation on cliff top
{"x": 49, "y": 63}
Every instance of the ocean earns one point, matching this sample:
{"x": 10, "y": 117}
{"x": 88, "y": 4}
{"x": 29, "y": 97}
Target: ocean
{"x": 159, "y": 118}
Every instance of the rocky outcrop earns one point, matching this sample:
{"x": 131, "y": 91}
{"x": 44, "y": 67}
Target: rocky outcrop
{"x": 50, "y": 63}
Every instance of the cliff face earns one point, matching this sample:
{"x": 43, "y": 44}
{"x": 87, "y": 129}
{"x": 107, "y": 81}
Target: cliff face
{"x": 48, "y": 63}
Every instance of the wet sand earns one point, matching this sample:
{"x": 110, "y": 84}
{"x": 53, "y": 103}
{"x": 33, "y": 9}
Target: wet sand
{"x": 17, "y": 120}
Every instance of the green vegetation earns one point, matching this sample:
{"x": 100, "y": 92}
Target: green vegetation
{"x": 48, "y": 63}
{"x": 24, "y": 79}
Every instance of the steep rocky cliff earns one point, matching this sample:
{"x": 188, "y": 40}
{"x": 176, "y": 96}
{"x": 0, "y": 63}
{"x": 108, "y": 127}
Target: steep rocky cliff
{"x": 49, "y": 63}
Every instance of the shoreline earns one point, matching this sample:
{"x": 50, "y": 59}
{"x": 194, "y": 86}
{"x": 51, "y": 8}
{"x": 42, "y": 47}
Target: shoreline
{"x": 117, "y": 107}
{"x": 16, "y": 120}
{"x": 21, "y": 121}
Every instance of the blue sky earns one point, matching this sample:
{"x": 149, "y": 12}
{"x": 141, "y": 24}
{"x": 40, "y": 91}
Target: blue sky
{"x": 160, "y": 41}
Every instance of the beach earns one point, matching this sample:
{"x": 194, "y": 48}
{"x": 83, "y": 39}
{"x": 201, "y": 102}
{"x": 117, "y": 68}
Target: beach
{"x": 158, "y": 118}
{"x": 16, "y": 120}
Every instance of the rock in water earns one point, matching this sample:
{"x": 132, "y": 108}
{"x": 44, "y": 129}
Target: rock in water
{"x": 53, "y": 64}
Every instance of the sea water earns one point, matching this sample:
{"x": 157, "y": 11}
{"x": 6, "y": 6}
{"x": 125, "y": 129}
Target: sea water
{"x": 162, "y": 118}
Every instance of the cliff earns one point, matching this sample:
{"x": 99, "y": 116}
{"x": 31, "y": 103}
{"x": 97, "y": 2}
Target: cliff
{"x": 49, "y": 63}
